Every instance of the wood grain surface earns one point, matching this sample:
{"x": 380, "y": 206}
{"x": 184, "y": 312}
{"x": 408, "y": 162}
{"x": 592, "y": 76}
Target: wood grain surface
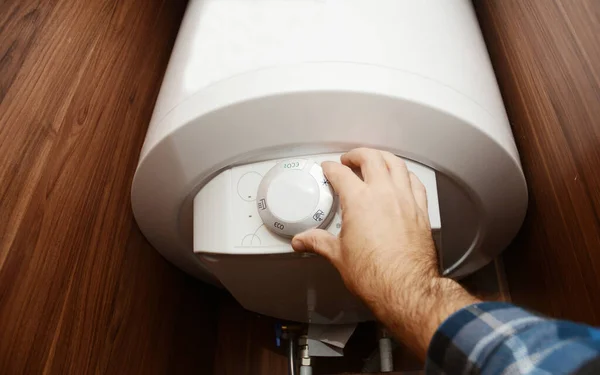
{"x": 81, "y": 291}
{"x": 546, "y": 54}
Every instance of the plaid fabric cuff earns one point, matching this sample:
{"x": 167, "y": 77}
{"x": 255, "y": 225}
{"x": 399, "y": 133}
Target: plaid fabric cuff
{"x": 504, "y": 338}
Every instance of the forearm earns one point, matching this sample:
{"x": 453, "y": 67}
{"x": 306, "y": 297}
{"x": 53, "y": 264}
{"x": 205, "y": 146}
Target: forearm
{"x": 414, "y": 312}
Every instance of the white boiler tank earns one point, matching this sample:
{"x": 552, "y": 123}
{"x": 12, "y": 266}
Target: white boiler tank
{"x": 259, "y": 92}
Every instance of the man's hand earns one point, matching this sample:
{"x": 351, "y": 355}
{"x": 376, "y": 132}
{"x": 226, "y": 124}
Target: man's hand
{"x": 385, "y": 252}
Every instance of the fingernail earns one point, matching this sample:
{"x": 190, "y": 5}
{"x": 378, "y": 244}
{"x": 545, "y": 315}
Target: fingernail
{"x": 298, "y": 245}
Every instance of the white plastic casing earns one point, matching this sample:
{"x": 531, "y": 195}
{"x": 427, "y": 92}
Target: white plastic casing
{"x": 267, "y": 79}
{"x": 258, "y": 265}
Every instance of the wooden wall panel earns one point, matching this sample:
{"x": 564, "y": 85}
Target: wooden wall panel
{"x": 546, "y": 54}
{"x": 81, "y": 290}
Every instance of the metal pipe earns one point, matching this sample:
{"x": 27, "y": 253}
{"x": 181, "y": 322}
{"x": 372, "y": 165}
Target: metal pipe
{"x": 386, "y": 361}
{"x": 291, "y": 356}
{"x": 305, "y": 361}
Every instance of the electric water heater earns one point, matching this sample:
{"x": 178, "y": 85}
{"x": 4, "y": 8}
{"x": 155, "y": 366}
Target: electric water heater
{"x": 259, "y": 92}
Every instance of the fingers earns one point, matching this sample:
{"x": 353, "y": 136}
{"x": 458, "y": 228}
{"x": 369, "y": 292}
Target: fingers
{"x": 370, "y": 162}
{"x": 317, "y": 241}
{"x": 341, "y": 178}
{"x": 379, "y": 166}
{"x": 398, "y": 171}
{"x": 419, "y": 192}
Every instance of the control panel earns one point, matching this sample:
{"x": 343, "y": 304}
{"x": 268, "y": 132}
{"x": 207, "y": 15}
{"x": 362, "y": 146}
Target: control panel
{"x": 256, "y": 208}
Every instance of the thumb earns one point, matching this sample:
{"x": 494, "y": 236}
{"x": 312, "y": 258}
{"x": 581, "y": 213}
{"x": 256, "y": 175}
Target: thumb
{"x": 317, "y": 241}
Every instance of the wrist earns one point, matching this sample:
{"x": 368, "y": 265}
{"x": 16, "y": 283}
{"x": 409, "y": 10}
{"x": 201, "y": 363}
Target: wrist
{"x": 448, "y": 297}
{"x": 414, "y": 311}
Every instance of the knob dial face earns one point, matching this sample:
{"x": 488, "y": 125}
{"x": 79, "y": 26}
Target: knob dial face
{"x": 295, "y": 196}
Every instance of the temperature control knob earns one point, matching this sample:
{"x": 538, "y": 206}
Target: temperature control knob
{"x": 295, "y": 196}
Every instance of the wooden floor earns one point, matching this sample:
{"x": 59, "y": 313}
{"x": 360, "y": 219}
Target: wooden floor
{"x": 81, "y": 291}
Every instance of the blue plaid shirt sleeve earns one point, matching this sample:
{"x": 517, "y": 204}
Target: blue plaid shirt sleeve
{"x": 500, "y": 338}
